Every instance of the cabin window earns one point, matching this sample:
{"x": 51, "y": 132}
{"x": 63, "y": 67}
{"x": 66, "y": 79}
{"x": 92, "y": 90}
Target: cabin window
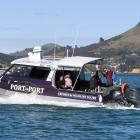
{"x": 19, "y": 71}
{"x": 39, "y": 73}
{"x": 28, "y": 72}
{"x": 63, "y": 73}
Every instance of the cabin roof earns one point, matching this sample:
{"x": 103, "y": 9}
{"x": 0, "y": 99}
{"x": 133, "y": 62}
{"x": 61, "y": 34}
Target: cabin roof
{"x": 36, "y": 58}
{"x": 77, "y": 61}
{"x": 40, "y": 63}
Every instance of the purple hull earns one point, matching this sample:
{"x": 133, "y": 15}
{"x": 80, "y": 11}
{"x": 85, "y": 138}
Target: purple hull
{"x": 45, "y": 88}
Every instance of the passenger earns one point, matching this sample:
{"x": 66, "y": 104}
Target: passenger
{"x": 68, "y": 81}
{"x": 123, "y": 88}
{"x": 98, "y": 67}
{"x": 61, "y": 83}
{"x": 108, "y": 73}
{"x": 95, "y": 81}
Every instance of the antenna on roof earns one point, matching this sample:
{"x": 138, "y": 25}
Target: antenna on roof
{"x": 54, "y": 46}
{"x": 67, "y": 53}
{"x": 75, "y": 40}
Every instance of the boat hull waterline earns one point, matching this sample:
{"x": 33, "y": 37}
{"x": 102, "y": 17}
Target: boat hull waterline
{"x": 61, "y": 98}
{"x": 53, "y": 100}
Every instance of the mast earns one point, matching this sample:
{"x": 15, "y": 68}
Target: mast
{"x": 54, "y": 46}
{"x": 67, "y": 52}
{"x": 75, "y": 40}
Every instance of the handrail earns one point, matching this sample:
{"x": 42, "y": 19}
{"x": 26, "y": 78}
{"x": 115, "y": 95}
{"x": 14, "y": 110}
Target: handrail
{"x": 52, "y": 57}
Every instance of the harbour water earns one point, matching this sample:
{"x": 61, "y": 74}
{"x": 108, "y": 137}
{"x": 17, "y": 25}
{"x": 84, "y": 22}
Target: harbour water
{"x": 24, "y": 118}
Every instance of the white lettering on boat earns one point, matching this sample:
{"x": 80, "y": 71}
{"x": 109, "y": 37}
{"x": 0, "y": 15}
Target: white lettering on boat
{"x": 79, "y": 96}
{"x": 27, "y": 89}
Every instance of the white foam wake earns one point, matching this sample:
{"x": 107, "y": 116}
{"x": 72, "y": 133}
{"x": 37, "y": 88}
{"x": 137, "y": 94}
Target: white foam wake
{"x": 119, "y": 107}
{"x": 26, "y": 99}
{"x": 33, "y": 99}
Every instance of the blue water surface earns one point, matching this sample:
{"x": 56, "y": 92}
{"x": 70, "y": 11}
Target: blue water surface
{"x": 44, "y": 122}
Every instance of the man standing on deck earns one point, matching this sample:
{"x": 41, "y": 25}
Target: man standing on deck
{"x": 109, "y": 74}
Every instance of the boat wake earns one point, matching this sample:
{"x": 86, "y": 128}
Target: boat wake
{"x": 31, "y": 99}
{"x": 119, "y": 107}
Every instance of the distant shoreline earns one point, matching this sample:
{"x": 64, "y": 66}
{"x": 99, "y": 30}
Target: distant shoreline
{"x": 127, "y": 73}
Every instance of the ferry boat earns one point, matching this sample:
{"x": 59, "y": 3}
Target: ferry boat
{"x": 40, "y": 75}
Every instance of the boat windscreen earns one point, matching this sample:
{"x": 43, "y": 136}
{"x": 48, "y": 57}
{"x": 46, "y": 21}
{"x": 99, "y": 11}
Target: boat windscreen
{"x": 24, "y": 71}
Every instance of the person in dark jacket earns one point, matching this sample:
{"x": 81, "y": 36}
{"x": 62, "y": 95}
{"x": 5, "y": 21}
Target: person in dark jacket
{"x": 108, "y": 73}
{"x": 95, "y": 81}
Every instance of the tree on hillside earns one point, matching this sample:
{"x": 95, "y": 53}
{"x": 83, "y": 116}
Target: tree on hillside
{"x": 101, "y": 40}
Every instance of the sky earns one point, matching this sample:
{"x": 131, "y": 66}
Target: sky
{"x": 28, "y": 23}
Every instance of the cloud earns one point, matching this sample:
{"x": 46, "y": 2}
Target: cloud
{"x": 46, "y": 14}
{"x": 40, "y": 13}
{"x": 9, "y": 28}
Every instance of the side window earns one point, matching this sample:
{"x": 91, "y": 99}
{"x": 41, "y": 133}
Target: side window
{"x": 87, "y": 71}
{"x": 62, "y": 74}
{"x": 39, "y": 73}
{"x": 19, "y": 71}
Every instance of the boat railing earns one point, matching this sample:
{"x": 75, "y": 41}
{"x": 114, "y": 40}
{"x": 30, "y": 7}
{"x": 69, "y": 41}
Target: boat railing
{"x": 98, "y": 90}
{"x": 52, "y": 57}
{"x": 3, "y": 68}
